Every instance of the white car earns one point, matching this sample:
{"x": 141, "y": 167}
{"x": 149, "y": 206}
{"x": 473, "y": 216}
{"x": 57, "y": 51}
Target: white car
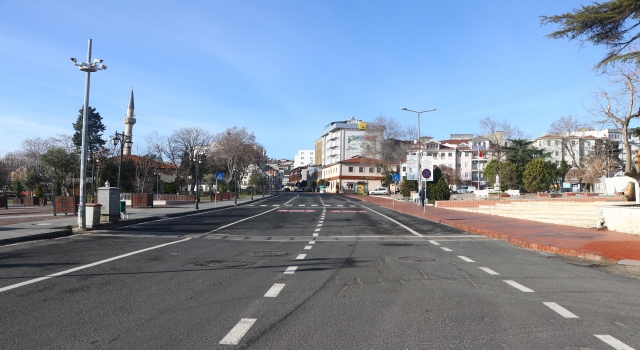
{"x": 379, "y": 190}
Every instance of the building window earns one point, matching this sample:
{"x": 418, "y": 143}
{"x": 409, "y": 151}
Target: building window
{"x": 378, "y": 170}
{"x": 441, "y": 155}
{"x": 548, "y": 142}
{"x": 539, "y": 143}
{"x": 459, "y": 165}
{"x": 466, "y": 164}
{"x": 450, "y": 154}
{"x": 557, "y": 153}
{"x": 404, "y": 169}
{"x": 370, "y": 170}
{"x": 467, "y": 154}
{"x": 361, "y": 169}
{"x": 466, "y": 175}
{"x": 350, "y": 169}
{"x": 557, "y": 143}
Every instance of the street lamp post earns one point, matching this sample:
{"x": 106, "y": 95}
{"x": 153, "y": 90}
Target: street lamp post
{"x": 122, "y": 139}
{"x": 157, "y": 183}
{"x": 419, "y": 149}
{"x": 197, "y": 160}
{"x": 87, "y": 67}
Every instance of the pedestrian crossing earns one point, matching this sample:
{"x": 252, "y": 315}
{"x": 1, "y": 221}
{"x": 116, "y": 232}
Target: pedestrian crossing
{"x": 298, "y": 205}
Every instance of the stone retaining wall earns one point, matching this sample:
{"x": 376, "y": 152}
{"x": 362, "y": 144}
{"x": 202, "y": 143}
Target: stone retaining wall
{"x": 478, "y": 202}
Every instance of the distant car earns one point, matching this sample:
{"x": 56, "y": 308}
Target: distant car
{"x": 298, "y": 189}
{"x": 465, "y": 189}
{"x": 286, "y": 189}
{"x": 379, "y": 190}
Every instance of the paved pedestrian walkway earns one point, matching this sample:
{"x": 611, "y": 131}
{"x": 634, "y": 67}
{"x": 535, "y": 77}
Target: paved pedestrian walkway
{"x": 19, "y": 223}
{"x": 574, "y": 241}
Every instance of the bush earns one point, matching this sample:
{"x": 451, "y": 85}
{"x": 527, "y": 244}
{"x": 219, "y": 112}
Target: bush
{"x": 439, "y": 191}
{"x": 170, "y": 187}
{"x": 407, "y": 186}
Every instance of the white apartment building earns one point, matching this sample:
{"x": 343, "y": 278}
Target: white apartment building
{"x": 304, "y": 158}
{"x": 340, "y": 140}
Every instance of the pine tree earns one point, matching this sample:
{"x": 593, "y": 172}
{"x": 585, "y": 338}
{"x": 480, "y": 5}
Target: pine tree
{"x": 94, "y": 133}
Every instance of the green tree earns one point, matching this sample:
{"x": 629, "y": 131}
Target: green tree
{"x": 491, "y": 170}
{"x": 255, "y": 180}
{"x": 109, "y": 171}
{"x": 18, "y": 188}
{"x": 612, "y": 23}
{"x": 60, "y": 165}
{"x": 407, "y": 186}
{"x": 563, "y": 169}
{"x": 538, "y": 175}
{"x": 170, "y": 187}
{"x": 438, "y": 191}
{"x": 32, "y": 181}
{"x": 39, "y": 191}
{"x": 94, "y": 132}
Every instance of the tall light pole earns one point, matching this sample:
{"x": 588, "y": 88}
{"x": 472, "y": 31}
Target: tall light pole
{"x": 419, "y": 147}
{"x": 87, "y": 67}
{"x": 197, "y": 160}
{"x": 122, "y": 139}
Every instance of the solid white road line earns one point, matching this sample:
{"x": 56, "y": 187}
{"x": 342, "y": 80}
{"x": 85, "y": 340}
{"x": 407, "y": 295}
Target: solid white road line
{"x": 235, "y": 334}
{"x": 290, "y": 270}
{"x": 615, "y": 343}
{"x": 518, "y": 286}
{"x": 233, "y": 223}
{"x": 274, "y": 290}
{"x": 446, "y": 249}
{"x": 465, "y": 258}
{"x": 307, "y": 247}
{"x": 559, "y": 309}
{"x": 488, "y": 270}
{"x": 301, "y": 256}
{"x": 392, "y": 220}
{"x": 434, "y": 242}
{"x": 315, "y": 234}
{"x": 312, "y": 242}
{"x": 4, "y": 289}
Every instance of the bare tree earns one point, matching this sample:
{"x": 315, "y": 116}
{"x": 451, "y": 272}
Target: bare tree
{"x": 450, "y": 175}
{"x": 570, "y": 130}
{"x": 620, "y": 106}
{"x": 383, "y": 142}
{"x": 499, "y": 133}
{"x": 236, "y": 149}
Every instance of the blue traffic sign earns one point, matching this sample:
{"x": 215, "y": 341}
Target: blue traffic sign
{"x": 219, "y": 176}
{"x": 426, "y": 173}
{"x": 395, "y": 177}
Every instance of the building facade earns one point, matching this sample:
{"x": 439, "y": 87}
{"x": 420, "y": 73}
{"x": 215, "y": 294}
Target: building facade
{"x": 341, "y": 140}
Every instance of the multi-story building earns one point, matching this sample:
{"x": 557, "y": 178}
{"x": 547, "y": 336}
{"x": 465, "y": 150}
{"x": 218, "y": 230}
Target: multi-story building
{"x": 351, "y": 174}
{"x": 304, "y": 157}
{"x": 340, "y": 140}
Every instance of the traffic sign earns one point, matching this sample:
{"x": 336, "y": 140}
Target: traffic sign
{"x": 426, "y": 173}
{"x": 395, "y": 178}
{"x": 219, "y": 176}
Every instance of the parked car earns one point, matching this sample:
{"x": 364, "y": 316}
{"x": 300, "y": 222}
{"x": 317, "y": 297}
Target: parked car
{"x": 465, "y": 189}
{"x": 379, "y": 190}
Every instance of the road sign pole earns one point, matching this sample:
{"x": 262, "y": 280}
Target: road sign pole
{"x": 215, "y": 196}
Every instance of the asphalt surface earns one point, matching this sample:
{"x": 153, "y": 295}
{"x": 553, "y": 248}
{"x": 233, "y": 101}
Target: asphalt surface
{"x": 303, "y": 270}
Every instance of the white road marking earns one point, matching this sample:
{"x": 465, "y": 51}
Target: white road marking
{"x": 233, "y": 223}
{"x": 276, "y": 205}
{"x": 559, "y": 309}
{"x": 488, "y": 270}
{"x": 321, "y": 221}
{"x": 340, "y": 205}
{"x": 263, "y": 205}
{"x": 312, "y": 242}
{"x": 518, "y": 286}
{"x": 314, "y": 205}
{"x": 434, "y": 242}
{"x": 307, "y": 247}
{"x": 446, "y": 249}
{"x": 392, "y": 220}
{"x": 317, "y": 230}
{"x": 301, "y": 205}
{"x": 290, "y": 270}
{"x": 327, "y": 205}
{"x": 615, "y": 343}
{"x": 235, "y": 334}
{"x": 274, "y": 290}
{"x": 13, "y": 286}
{"x": 319, "y": 225}
{"x": 465, "y": 258}
{"x": 315, "y": 235}
{"x": 301, "y": 256}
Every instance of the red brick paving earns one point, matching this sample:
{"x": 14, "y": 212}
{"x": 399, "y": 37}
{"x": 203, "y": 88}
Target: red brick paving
{"x": 560, "y": 239}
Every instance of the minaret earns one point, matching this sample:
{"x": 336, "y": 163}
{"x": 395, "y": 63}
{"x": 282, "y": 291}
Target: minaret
{"x": 129, "y": 120}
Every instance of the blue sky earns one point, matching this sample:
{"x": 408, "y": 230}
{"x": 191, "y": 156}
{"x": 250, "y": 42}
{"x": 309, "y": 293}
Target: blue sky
{"x": 285, "y": 69}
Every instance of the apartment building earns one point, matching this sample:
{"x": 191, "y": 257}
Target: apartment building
{"x": 304, "y": 157}
{"x": 350, "y": 174}
{"x": 340, "y": 140}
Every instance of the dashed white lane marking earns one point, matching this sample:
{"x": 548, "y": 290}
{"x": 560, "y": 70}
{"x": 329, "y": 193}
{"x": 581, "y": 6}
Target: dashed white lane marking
{"x": 276, "y": 205}
{"x": 4, "y": 289}
{"x": 615, "y": 343}
{"x": 312, "y": 242}
{"x": 465, "y": 258}
{"x": 290, "y": 270}
{"x": 274, "y": 290}
{"x": 314, "y": 205}
{"x": 301, "y": 205}
{"x": 235, "y": 334}
{"x": 263, "y": 205}
{"x": 434, "y": 242}
{"x": 517, "y": 285}
{"x": 446, "y": 249}
{"x": 307, "y": 247}
{"x": 315, "y": 234}
{"x": 340, "y": 205}
{"x": 352, "y": 205}
{"x": 327, "y": 205}
{"x": 321, "y": 221}
{"x": 301, "y": 256}
{"x": 559, "y": 309}
{"x": 319, "y": 225}
{"x": 488, "y": 270}
{"x": 317, "y": 230}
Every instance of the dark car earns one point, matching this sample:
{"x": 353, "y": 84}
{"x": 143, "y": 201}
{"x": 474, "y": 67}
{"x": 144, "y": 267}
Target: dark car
{"x": 286, "y": 189}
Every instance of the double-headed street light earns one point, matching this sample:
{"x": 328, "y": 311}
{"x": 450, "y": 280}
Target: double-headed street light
{"x": 88, "y": 67}
{"x": 122, "y": 139}
{"x": 419, "y": 148}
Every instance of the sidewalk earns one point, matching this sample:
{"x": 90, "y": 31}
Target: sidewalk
{"x": 567, "y": 240}
{"x": 20, "y": 224}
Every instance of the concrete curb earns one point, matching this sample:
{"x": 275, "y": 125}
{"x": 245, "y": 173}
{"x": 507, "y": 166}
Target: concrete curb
{"x": 38, "y": 236}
